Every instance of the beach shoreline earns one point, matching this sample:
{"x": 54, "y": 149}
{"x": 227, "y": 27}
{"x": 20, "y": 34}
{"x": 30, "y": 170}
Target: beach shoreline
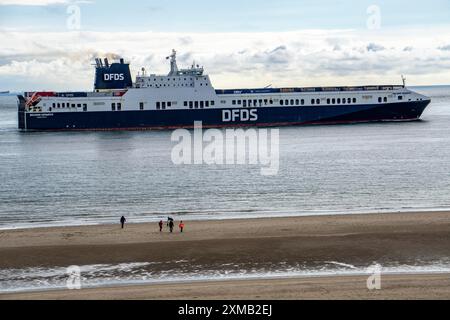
{"x": 355, "y": 240}
{"x": 433, "y": 286}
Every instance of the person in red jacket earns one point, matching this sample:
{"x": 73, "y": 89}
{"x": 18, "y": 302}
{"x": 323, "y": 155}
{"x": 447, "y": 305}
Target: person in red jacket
{"x": 181, "y": 226}
{"x": 161, "y": 226}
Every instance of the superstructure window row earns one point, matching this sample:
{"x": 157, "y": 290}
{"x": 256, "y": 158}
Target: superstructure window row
{"x": 64, "y": 105}
{"x": 199, "y": 104}
{"x": 116, "y": 106}
{"x": 252, "y": 102}
{"x": 293, "y": 102}
{"x": 341, "y": 100}
{"x": 163, "y": 105}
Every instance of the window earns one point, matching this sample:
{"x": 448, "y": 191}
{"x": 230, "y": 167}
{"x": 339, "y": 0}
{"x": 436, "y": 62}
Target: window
{"x": 53, "y": 105}
{"x": 260, "y": 102}
{"x": 333, "y": 101}
{"x": 85, "y": 107}
{"x": 344, "y": 100}
{"x": 169, "y": 104}
{"x": 163, "y": 105}
{"x": 339, "y": 100}
{"x": 212, "y": 103}
{"x": 349, "y": 100}
{"x": 303, "y": 102}
{"x": 234, "y": 102}
{"x": 379, "y": 100}
{"x": 141, "y": 106}
{"x": 206, "y": 104}
{"x": 297, "y": 102}
{"x": 196, "y": 104}
{"x": 79, "y": 105}
{"x": 385, "y": 99}
{"x": 249, "y": 103}
{"x": 191, "y": 105}
{"x": 328, "y": 101}
{"x": 185, "y": 103}
{"x": 59, "y": 106}
{"x": 113, "y": 106}
{"x": 313, "y": 101}
{"x": 158, "y": 105}
{"x": 265, "y": 102}
{"x": 318, "y": 101}
{"x": 255, "y": 103}
{"x": 119, "y": 107}
{"x": 292, "y": 102}
{"x": 400, "y": 98}
{"x": 73, "y": 105}
{"x": 239, "y": 102}
{"x": 202, "y": 104}
{"x": 286, "y": 102}
{"x": 354, "y": 100}
{"x": 281, "y": 102}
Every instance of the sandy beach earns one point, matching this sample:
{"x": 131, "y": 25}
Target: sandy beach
{"x": 434, "y": 287}
{"x": 358, "y": 240}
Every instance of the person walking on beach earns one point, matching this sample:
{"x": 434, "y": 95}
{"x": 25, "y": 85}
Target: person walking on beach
{"x": 171, "y": 225}
{"x": 122, "y": 221}
{"x": 169, "y": 219}
{"x": 181, "y": 226}
{"x": 161, "y": 226}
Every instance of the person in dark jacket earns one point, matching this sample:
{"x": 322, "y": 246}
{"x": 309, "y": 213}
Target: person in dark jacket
{"x": 122, "y": 221}
{"x": 171, "y": 225}
{"x": 161, "y": 226}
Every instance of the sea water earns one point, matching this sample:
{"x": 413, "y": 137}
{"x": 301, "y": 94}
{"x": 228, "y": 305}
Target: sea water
{"x": 77, "y": 178}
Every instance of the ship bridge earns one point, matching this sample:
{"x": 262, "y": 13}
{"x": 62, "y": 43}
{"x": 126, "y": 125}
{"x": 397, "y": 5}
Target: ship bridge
{"x": 191, "y": 77}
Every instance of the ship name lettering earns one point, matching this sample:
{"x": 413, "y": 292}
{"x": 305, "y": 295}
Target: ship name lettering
{"x": 242, "y": 115}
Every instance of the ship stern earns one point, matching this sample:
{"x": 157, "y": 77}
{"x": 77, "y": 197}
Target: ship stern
{"x": 21, "y": 113}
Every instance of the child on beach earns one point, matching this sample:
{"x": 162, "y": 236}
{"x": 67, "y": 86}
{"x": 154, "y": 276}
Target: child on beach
{"x": 181, "y": 226}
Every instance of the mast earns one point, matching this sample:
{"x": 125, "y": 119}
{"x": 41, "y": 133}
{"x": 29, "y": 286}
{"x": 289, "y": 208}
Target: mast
{"x": 173, "y": 63}
{"x": 404, "y": 81}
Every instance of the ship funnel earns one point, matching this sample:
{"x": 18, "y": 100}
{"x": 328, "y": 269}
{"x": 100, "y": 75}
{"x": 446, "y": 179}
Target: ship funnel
{"x": 112, "y": 76}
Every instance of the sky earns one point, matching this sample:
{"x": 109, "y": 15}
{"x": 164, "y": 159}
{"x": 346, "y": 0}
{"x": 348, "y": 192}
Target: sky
{"x": 51, "y": 44}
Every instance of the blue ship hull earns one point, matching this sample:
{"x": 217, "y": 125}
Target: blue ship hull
{"x": 266, "y": 116}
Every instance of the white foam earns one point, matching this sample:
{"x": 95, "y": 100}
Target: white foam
{"x": 101, "y": 275}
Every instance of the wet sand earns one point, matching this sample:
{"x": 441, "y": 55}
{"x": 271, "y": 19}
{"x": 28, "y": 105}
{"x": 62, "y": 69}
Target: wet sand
{"x": 393, "y": 287}
{"x": 352, "y": 239}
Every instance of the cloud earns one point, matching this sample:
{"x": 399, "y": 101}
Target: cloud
{"x": 445, "y": 48}
{"x": 375, "y": 47}
{"x": 40, "y": 3}
{"x": 301, "y": 58}
{"x": 32, "y": 2}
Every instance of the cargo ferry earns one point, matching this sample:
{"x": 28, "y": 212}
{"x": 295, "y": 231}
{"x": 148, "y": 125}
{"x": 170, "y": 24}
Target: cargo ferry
{"x": 185, "y": 96}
